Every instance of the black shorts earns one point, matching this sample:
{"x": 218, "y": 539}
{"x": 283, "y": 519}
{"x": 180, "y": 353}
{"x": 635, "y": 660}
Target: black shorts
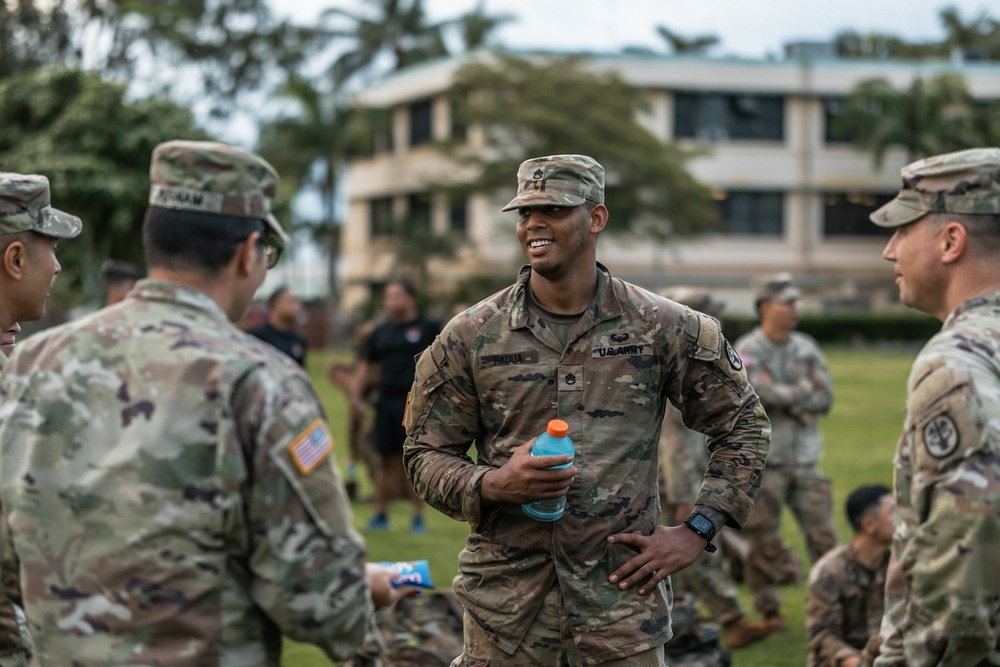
{"x": 390, "y": 434}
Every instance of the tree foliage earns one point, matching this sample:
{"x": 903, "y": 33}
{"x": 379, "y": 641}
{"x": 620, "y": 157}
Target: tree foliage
{"x": 215, "y": 48}
{"x": 679, "y": 44}
{"x": 974, "y": 39}
{"x": 929, "y": 117}
{"x": 94, "y": 146}
{"x": 546, "y": 106}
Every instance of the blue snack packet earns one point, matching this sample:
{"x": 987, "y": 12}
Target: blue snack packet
{"x": 410, "y": 573}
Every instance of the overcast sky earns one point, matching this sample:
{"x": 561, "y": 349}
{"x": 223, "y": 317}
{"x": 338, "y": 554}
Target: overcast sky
{"x": 745, "y": 28}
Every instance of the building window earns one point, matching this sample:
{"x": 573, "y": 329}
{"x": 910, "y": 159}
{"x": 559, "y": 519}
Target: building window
{"x": 846, "y": 214}
{"x": 722, "y": 117}
{"x": 420, "y": 122}
{"x": 752, "y": 213}
{"x": 458, "y": 216}
{"x": 833, "y": 133}
{"x": 418, "y": 211}
{"x": 459, "y": 130}
{"x": 380, "y": 214}
{"x": 381, "y": 123}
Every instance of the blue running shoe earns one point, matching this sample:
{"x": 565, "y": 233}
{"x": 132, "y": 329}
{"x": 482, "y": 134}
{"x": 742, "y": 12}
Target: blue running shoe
{"x": 418, "y": 527}
{"x": 378, "y": 522}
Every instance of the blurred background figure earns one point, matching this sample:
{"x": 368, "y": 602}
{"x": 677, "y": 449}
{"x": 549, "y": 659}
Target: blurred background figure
{"x": 118, "y": 278}
{"x": 283, "y": 313}
{"x": 393, "y": 345}
{"x": 683, "y": 461}
{"x": 360, "y": 421}
{"x": 788, "y": 371}
{"x": 846, "y": 594}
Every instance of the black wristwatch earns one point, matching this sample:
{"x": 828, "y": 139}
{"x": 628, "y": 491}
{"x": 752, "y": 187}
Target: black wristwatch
{"x": 702, "y": 525}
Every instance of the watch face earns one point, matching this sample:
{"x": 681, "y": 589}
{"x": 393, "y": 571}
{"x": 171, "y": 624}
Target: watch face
{"x": 701, "y": 525}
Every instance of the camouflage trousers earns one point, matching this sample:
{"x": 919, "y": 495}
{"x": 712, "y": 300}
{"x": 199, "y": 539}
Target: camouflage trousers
{"x": 548, "y": 643}
{"x": 808, "y": 494}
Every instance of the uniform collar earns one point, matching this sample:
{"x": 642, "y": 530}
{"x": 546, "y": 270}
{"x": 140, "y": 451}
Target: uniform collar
{"x": 191, "y": 297}
{"x": 605, "y": 306}
{"x": 986, "y": 299}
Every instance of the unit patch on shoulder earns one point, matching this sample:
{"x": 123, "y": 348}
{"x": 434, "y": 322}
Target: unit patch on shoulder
{"x": 941, "y": 436}
{"x": 734, "y": 359}
{"x": 310, "y": 447}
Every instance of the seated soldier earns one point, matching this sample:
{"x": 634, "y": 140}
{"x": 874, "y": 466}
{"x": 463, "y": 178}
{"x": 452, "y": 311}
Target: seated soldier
{"x": 844, "y": 602}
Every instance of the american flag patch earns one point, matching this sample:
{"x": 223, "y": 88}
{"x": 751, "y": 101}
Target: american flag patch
{"x": 310, "y": 447}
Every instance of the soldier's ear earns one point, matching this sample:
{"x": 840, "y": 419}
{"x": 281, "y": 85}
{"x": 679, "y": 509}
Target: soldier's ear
{"x": 15, "y": 256}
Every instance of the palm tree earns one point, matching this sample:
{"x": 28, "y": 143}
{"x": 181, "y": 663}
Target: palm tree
{"x": 932, "y": 116}
{"x": 398, "y": 28}
{"x": 978, "y": 39}
{"x": 687, "y": 45}
{"x": 308, "y": 148}
{"x": 477, "y": 26}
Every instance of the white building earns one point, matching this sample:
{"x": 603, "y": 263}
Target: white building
{"x": 794, "y": 197}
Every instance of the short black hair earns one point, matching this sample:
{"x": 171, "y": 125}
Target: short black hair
{"x": 863, "y": 501}
{"x": 407, "y": 286}
{"x": 175, "y": 239}
{"x": 117, "y": 273}
{"x": 276, "y": 294}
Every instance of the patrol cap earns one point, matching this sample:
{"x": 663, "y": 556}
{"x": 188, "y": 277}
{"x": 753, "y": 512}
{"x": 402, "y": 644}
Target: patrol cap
{"x": 558, "y": 180}
{"x": 214, "y": 178}
{"x": 780, "y": 288}
{"x": 962, "y": 182}
{"x": 695, "y": 297}
{"x": 26, "y": 205}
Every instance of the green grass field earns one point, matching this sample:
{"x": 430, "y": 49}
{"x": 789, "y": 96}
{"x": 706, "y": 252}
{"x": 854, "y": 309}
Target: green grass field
{"x": 860, "y": 438}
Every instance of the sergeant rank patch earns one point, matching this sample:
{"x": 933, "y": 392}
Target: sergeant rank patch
{"x": 941, "y": 436}
{"x": 310, "y": 447}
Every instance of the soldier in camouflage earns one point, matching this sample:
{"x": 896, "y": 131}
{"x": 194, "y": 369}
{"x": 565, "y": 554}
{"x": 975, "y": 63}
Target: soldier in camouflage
{"x": 167, "y": 480}
{"x": 29, "y": 231}
{"x": 788, "y": 371}
{"x": 844, "y": 600}
{"x": 683, "y": 459}
{"x": 942, "y": 589}
{"x": 569, "y": 341}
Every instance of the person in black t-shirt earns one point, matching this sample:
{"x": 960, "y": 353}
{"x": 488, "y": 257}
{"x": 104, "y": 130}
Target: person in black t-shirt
{"x": 283, "y": 311}
{"x": 394, "y": 345}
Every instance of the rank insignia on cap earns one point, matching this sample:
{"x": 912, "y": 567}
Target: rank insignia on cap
{"x": 311, "y": 446}
{"x": 538, "y": 173}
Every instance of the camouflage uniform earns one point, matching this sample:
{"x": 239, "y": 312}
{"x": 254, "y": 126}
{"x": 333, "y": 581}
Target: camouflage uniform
{"x": 942, "y": 588}
{"x": 496, "y": 375}
{"x": 683, "y": 460}
{"x": 844, "y": 605}
{"x": 794, "y": 386}
{"x": 169, "y": 491}
{"x": 25, "y": 205}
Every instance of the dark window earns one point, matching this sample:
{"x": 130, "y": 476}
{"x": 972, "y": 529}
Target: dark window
{"x": 382, "y": 132}
{"x": 756, "y": 213}
{"x": 721, "y": 117}
{"x": 458, "y": 216}
{"x": 846, "y": 214}
{"x": 833, "y": 133}
{"x": 381, "y": 216}
{"x": 418, "y": 211}
{"x": 420, "y": 122}
{"x": 459, "y": 130}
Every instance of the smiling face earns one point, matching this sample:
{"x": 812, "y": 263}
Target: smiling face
{"x": 557, "y": 239}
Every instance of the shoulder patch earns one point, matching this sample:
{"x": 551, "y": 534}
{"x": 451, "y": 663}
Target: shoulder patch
{"x": 311, "y": 447}
{"x": 941, "y": 437}
{"x": 734, "y": 359}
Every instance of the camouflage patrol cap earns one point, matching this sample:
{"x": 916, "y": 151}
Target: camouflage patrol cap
{"x": 558, "y": 180}
{"x": 780, "y": 288}
{"x": 214, "y": 178}
{"x": 25, "y": 205}
{"x": 962, "y": 182}
{"x": 695, "y": 297}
